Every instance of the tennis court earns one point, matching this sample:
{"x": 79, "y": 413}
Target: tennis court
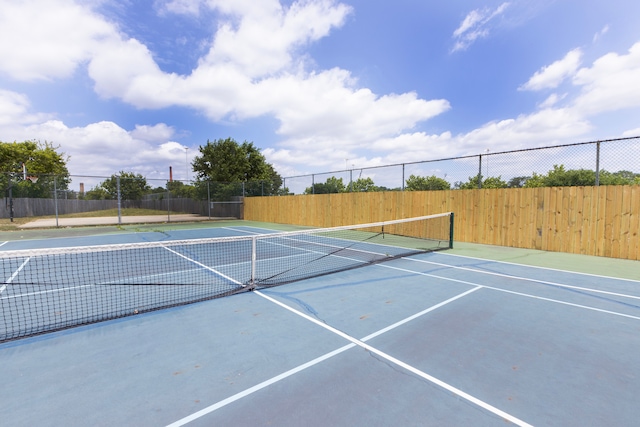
{"x": 424, "y": 338}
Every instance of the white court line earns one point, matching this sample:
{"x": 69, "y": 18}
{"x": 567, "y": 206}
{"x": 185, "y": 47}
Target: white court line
{"x": 328, "y": 244}
{"x": 13, "y": 276}
{"x": 257, "y": 387}
{"x": 206, "y": 267}
{"x": 237, "y": 230}
{"x": 561, "y": 285}
{"x": 586, "y": 307}
{"x": 542, "y": 268}
{"x": 50, "y": 291}
{"x": 313, "y": 362}
{"x": 2, "y": 288}
{"x": 424, "y": 375}
{"x": 4, "y": 243}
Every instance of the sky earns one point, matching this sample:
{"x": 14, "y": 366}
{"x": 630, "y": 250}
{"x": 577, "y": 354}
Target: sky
{"x": 317, "y": 85}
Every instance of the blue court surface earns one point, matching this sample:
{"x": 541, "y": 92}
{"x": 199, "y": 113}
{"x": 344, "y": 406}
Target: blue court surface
{"x": 435, "y": 339}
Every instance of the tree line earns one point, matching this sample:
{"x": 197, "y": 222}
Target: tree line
{"x": 559, "y": 176}
{"x": 225, "y": 168}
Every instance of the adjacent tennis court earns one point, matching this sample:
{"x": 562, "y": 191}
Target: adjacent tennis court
{"x": 423, "y": 338}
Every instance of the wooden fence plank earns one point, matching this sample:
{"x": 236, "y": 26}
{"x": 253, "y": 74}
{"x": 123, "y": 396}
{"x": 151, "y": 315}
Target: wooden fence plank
{"x": 625, "y": 212}
{"x": 603, "y": 221}
{"x": 608, "y": 225}
{"x": 538, "y": 216}
{"x": 586, "y": 224}
{"x": 634, "y": 224}
{"x": 616, "y": 219}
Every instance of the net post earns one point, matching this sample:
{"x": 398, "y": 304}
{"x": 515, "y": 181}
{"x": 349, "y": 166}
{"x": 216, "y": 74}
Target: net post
{"x": 252, "y": 281}
{"x": 451, "y": 231}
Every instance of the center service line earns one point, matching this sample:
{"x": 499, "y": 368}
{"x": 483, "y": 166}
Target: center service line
{"x": 309, "y": 364}
{"x": 13, "y": 276}
{"x": 406, "y": 366}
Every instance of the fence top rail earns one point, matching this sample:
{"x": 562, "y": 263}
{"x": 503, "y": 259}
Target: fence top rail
{"x": 470, "y": 156}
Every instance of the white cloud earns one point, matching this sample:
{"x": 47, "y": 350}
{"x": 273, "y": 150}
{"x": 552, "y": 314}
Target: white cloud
{"x": 15, "y": 110}
{"x": 475, "y": 25}
{"x": 118, "y": 69}
{"x": 266, "y": 37}
{"x": 254, "y": 67}
{"x": 552, "y": 75}
{"x": 324, "y": 116}
{"x": 156, "y": 132}
{"x": 631, "y": 133}
{"x": 551, "y": 100}
{"x": 104, "y": 148}
{"x": 546, "y": 127}
{"x": 474, "y": 17}
{"x": 411, "y": 146}
{"x": 50, "y": 38}
{"x": 611, "y": 83}
{"x": 183, "y": 7}
{"x": 597, "y": 36}
{"x": 325, "y": 105}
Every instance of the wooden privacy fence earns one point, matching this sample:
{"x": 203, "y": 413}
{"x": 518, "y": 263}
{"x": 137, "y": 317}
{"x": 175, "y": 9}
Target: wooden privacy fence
{"x": 602, "y": 221}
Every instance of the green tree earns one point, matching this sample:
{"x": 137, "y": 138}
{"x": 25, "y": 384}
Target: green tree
{"x": 226, "y": 161}
{"x": 363, "y": 185}
{"x": 41, "y": 160}
{"x": 332, "y": 185}
{"x": 264, "y": 186}
{"x": 518, "y": 181}
{"x": 97, "y": 193}
{"x": 132, "y": 187}
{"x": 179, "y": 189}
{"x": 428, "y": 183}
{"x": 561, "y": 177}
{"x": 619, "y": 178}
{"x": 490, "y": 182}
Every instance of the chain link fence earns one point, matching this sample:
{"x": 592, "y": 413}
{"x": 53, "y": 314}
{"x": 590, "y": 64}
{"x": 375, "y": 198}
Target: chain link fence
{"x": 37, "y": 195}
{"x": 607, "y": 162}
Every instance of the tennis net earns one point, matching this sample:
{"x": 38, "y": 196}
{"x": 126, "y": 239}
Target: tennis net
{"x": 47, "y": 290}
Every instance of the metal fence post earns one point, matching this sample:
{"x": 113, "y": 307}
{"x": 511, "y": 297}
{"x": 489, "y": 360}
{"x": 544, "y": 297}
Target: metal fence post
{"x": 55, "y": 196}
{"x": 119, "y": 200}
{"x": 403, "y": 177}
{"x": 168, "y": 207}
{"x": 209, "y": 199}
{"x": 597, "y": 163}
{"x": 479, "y": 171}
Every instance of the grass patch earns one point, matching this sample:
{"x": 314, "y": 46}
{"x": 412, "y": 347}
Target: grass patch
{"x": 7, "y": 225}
